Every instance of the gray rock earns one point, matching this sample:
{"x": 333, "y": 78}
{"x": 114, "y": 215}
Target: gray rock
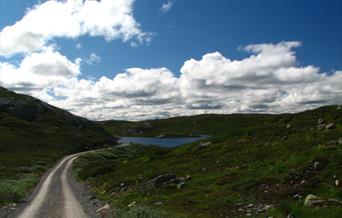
{"x": 181, "y": 185}
{"x": 320, "y": 121}
{"x": 297, "y": 196}
{"x": 160, "y": 181}
{"x": 312, "y": 200}
{"x": 104, "y": 211}
{"x": 340, "y": 141}
{"x": 204, "y": 144}
{"x": 334, "y": 202}
{"x": 316, "y": 164}
{"x": 290, "y": 215}
{"x": 330, "y": 126}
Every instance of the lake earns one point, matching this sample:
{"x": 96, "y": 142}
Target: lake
{"x": 161, "y": 142}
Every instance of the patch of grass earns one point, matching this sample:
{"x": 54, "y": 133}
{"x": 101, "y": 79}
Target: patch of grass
{"x": 14, "y": 190}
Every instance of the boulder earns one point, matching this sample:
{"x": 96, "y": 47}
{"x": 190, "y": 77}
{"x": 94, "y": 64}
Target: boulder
{"x": 312, "y": 200}
{"x": 320, "y": 121}
{"x": 159, "y": 181}
{"x": 104, "y": 211}
{"x": 181, "y": 185}
{"x": 330, "y": 126}
{"x": 204, "y": 144}
{"x": 334, "y": 202}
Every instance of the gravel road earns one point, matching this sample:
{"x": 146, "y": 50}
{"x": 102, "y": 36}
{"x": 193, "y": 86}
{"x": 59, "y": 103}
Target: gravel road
{"x": 58, "y": 195}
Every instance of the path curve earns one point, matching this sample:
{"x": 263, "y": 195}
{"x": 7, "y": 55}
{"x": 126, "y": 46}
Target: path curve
{"x": 57, "y": 196}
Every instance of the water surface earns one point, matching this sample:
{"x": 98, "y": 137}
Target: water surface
{"x": 162, "y": 142}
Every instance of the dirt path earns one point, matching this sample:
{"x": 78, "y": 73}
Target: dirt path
{"x": 59, "y": 196}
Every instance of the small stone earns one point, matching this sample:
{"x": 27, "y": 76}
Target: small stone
{"x": 288, "y": 126}
{"x": 250, "y": 205}
{"x": 337, "y": 182}
{"x": 187, "y": 178}
{"x": 241, "y": 210}
{"x": 330, "y": 126}
{"x": 320, "y": 121}
{"x": 248, "y": 214}
{"x": 290, "y": 215}
{"x": 132, "y": 204}
{"x": 334, "y": 202}
{"x": 114, "y": 194}
{"x": 181, "y": 185}
{"x": 158, "y": 203}
{"x": 104, "y": 211}
{"x": 297, "y": 196}
{"x": 267, "y": 207}
{"x": 312, "y": 200}
{"x": 204, "y": 144}
{"x": 124, "y": 189}
{"x": 339, "y": 141}
{"x": 316, "y": 165}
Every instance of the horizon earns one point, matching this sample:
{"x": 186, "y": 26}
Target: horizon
{"x": 143, "y": 60}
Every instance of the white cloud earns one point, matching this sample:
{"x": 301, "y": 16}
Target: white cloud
{"x": 269, "y": 80}
{"x": 78, "y": 45}
{"x": 71, "y": 19}
{"x": 38, "y": 72}
{"x": 167, "y": 6}
{"x": 93, "y": 59}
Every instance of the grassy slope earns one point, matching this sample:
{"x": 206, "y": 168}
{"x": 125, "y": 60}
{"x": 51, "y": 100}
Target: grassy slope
{"x": 33, "y": 136}
{"x": 252, "y": 160}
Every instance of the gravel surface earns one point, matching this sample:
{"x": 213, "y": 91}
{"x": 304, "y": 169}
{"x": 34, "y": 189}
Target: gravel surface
{"x": 57, "y": 195}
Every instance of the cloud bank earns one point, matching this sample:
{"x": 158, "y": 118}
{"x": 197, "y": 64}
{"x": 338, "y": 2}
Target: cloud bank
{"x": 270, "y": 80}
{"x": 71, "y": 19}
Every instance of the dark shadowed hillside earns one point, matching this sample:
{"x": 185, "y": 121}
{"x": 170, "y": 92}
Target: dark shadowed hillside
{"x": 33, "y": 135}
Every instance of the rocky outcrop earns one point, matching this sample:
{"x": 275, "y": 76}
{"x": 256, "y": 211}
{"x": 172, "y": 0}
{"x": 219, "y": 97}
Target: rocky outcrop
{"x": 322, "y": 124}
{"x": 164, "y": 181}
{"x": 313, "y": 201}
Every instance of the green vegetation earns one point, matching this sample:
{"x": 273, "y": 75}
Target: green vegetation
{"x": 33, "y": 136}
{"x": 255, "y": 165}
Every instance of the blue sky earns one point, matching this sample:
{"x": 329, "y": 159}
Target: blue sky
{"x": 191, "y": 29}
{"x": 195, "y": 27}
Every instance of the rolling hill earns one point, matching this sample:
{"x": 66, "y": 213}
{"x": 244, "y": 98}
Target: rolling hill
{"x": 33, "y": 136}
